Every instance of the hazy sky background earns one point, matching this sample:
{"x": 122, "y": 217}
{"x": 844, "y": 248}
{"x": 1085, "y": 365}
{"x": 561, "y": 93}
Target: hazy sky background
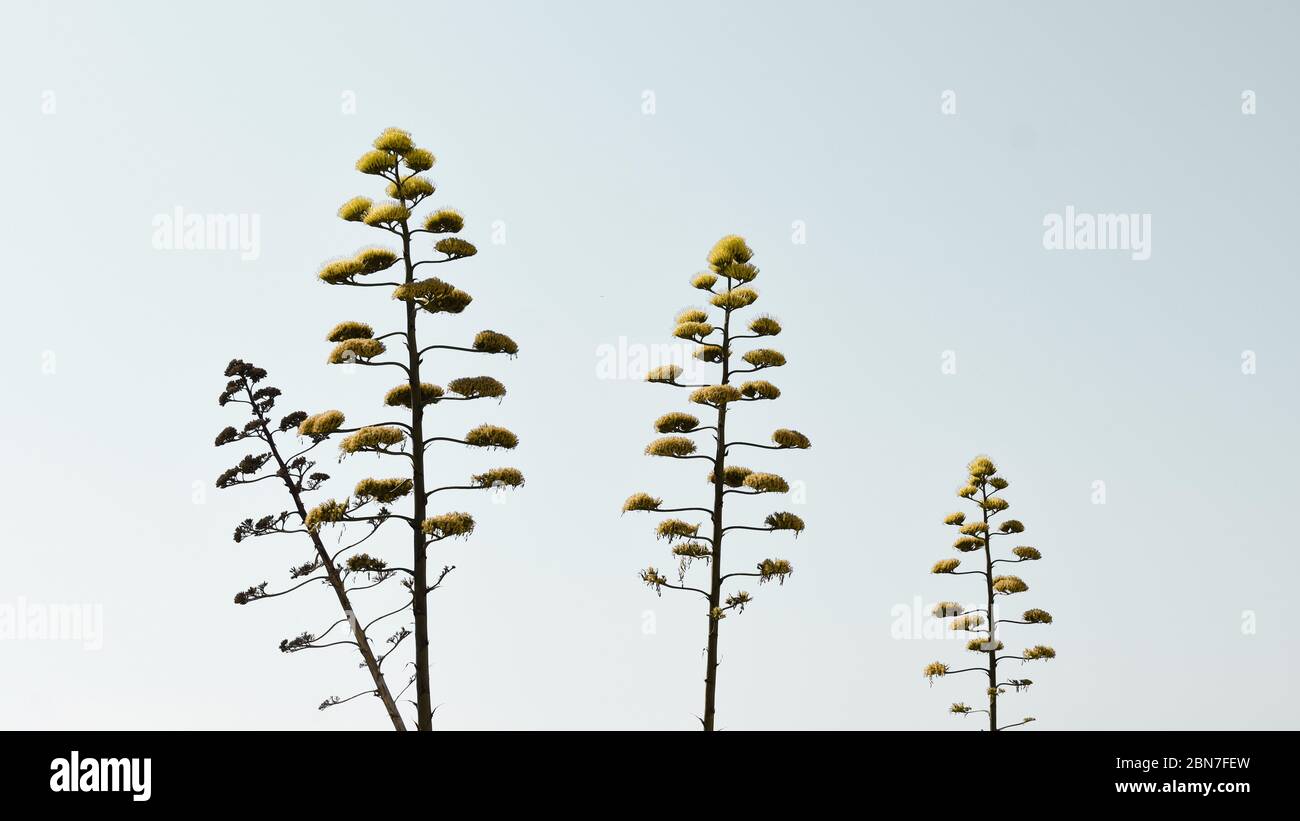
{"x": 924, "y": 235}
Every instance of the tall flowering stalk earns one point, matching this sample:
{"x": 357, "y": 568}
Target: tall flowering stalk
{"x": 728, "y": 283}
{"x": 976, "y": 537}
{"x": 396, "y": 160}
{"x": 356, "y": 571}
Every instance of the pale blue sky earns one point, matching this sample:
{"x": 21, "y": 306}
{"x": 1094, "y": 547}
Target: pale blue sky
{"x": 924, "y": 235}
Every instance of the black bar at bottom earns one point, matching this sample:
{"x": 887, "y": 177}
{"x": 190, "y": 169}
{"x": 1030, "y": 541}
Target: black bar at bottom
{"x": 242, "y": 771}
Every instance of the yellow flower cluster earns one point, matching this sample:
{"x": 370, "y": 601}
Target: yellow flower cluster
{"x": 448, "y": 525}
{"x": 372, "y": 438}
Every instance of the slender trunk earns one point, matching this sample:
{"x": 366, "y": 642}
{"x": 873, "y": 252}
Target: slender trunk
{"x": 336, "y": 582}
{"x": 420, "y": 584}
{"x": 372, "y": 664}
{"x": 715, "y": 586}
{"x": 993, "y": 636}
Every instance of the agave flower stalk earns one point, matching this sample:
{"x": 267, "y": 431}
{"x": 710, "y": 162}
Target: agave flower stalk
{"x": 396, "y": 159}
{"x": 983, "y": 484}
{"x": 728, "y": 282}
{"x": 295, "y": 472}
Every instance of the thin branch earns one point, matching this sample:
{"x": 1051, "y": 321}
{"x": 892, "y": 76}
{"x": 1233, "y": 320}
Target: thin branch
{"x": 388, "y": 515}
{"x": 372, "y": 364}
{"x": 323, "y": 646}
{"x": 383, "y": 579}
{"x": 751, "y": 527}
{"x": 373, "y": 530}
{"x": 756, "y": 445}
{"x": 423, "y": 351}
{"x": 386, "y": 615}
{"x": 358, "y": 695}
{"x": 356, "y": 284}
{"x": 457, "y": 487}
{"x": 330, "y": 629}
{"x": 433, "y": 439}
{"x": 690, "y": 589}
{"x": 403, "y": 425}
{"x": 966, "y": 670}
{"x": 290, "y": 590}
{"x": 262, "y": 478}
{"x": 447, "y": 568}
{"x": 401, "y": 638}
{"x": 430, "y": 261}
{"x": 681, "y": 510}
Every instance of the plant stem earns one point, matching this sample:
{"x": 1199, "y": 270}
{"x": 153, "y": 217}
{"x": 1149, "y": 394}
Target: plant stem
{"x": 335, "y": 580}
{"x": 715, "y": 585}
{"x": 988, "y": 581}
{"x": 420, "y": 582}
